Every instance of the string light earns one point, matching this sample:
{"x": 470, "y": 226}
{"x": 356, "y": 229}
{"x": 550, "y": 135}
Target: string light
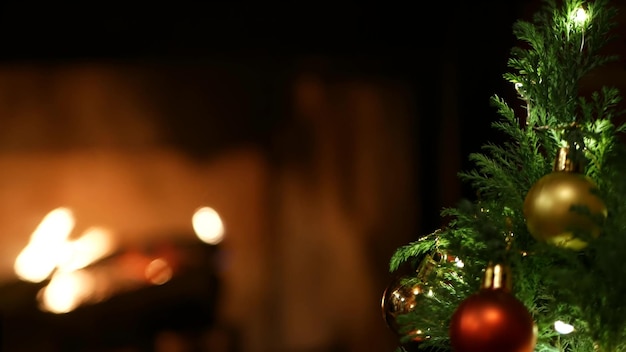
{"x": 562, "y": 327}
{"x": 580, "y": 16}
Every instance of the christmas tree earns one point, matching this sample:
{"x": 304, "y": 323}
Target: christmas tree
{"x": 535, "y": 262}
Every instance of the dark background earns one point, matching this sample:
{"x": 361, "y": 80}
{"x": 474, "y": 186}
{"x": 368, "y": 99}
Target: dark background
{"x": 376, "y": 29}
{"x": 411, "y": 42}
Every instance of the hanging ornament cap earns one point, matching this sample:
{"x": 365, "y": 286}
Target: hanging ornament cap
{"x": 565, "y": 163}
{"x": 497, "y": 277}
{"x": 426, "y": 268}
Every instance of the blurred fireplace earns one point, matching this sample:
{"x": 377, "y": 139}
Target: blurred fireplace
{"x": 311, "y": 172}
{"x": 134, "y": 149}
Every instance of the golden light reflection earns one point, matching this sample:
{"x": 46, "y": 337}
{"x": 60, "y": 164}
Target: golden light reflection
{"x": 208, "y": 225}
{"x": 66, "y": 291}
{"x": 492, "y": 315}
{"x": 38, "y": 259}
{"x": 497, "y": 276}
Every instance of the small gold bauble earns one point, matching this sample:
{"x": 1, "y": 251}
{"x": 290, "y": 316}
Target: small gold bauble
{"x": 400, "y": 298}
{"x": 408, "y": 293}
{"x": 549, "y": 212}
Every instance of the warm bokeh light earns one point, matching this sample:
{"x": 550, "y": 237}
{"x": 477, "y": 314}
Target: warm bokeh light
{"x": 35, "y": 264}
{"x": 50, "y": 254}
{"x": 92, "y": 245}
{"x": 66, "y": 291}
{"x": 40, "y": 256}
{"x": 208, "y": 225}
{"x": 158, "y": 271}
{"x": 54, "y": 228}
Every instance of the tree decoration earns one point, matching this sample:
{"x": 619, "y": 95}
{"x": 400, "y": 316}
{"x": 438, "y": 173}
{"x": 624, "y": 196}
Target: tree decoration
{"x": 493, "y": 320}
{"x": 405, "y": 293}
{"x": 563, "y": 204}
{"x": 400, "y": 298}
{"x": 574, "y": 287}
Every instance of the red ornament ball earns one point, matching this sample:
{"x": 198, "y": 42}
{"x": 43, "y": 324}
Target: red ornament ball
{"x": 492, "y": 321}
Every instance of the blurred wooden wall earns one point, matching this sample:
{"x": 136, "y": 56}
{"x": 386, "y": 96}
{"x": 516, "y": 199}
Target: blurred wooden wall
{"x": 345, "y": 198}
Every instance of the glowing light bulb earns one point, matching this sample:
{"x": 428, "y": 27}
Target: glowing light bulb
{"x": 519, "y": 88}
{"x": 562, "y": 327}
{"x": 580, "y": 16}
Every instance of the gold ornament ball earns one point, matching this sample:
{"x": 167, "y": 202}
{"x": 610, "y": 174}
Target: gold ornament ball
{"x": 549, "y": 214}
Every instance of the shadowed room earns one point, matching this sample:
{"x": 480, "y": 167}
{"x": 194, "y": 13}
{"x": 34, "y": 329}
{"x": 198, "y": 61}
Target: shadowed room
{"x": 185, "y": 179}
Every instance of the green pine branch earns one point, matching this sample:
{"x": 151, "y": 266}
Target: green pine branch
{"x": 557, "y": 51}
